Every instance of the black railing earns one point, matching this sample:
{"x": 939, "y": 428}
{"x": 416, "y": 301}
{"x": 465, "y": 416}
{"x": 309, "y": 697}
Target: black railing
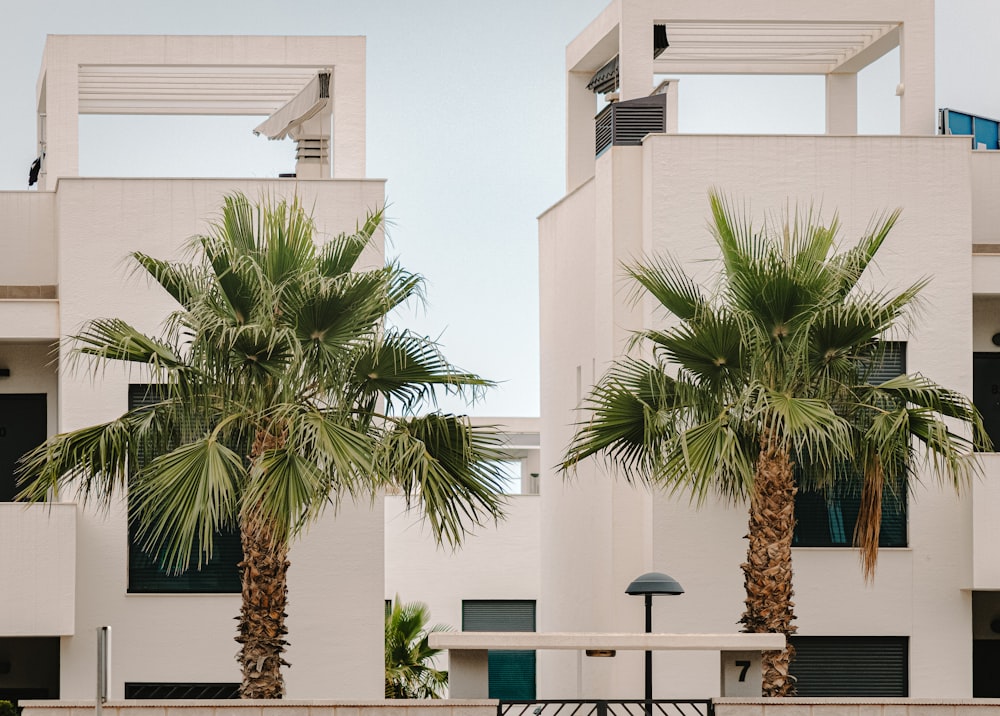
{"x": 601, "y": 707}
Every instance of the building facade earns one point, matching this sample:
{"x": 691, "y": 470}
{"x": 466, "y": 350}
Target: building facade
{"x": 562, "y": 560}
{"x": 68, "y": 568}
{"x": 635, "y": 187}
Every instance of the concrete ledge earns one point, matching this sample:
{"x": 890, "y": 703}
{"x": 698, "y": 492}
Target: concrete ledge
{"x": 469, "y": 640}
{"x": 254, "y": 707}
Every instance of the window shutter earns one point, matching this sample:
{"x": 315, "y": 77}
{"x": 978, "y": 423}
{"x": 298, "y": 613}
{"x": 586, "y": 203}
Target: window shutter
{"x": 512, "y": 673}
{"x": 851, "y": 665}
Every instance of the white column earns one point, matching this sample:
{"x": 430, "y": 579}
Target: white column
{"x": 635, "y": 58}
{"x": 917, "y": 114}
{"x": 580, "y": 110}
{"x": 348, "y": 93}
{"x": 842, "y": 103}
{"x": 468, "y": 674}
{"x": 59, "y": 97}
{"x": 673, "y": 95}
{"x": 313, "y": 147}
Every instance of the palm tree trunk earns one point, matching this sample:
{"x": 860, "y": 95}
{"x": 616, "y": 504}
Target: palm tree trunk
{"x": 262, "y": 615}
{"x": 265, "y": 592}
{"x": 768, "y": 569}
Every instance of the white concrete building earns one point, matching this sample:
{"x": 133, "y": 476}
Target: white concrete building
{"x": 634, "y": 186}
{"x": 67, "y": 570}
{"x": 562, "y": 560}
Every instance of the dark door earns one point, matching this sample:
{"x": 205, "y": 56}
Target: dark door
{"x": 986, "y": 392}
{"x": 22, "y": 427}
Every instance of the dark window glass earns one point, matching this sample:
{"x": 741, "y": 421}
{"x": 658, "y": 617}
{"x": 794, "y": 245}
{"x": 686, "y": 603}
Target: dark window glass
{"x": 826, "y": 518}
{"x": 22, "y": 428}
{"x": 146, "y": 575}
{"x": 851, "y": 665}
{"x": 986, "y": 392}
{"x": 512, "y": 673}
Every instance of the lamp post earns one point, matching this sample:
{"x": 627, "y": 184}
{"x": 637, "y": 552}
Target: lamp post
{"x": 647, "y": 585}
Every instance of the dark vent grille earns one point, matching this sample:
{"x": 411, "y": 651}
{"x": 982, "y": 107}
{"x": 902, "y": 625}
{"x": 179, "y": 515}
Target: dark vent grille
{"x": 851, "y": 665}
{"x": 180, "y": 690}
{"x": 627, "y": 123}
{"x": 498, "y": 615}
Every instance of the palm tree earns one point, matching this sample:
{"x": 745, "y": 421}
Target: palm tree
{"x": 409, "y": 673}
{"x": 762, "y": 382}
{"x": 279, "y": 390}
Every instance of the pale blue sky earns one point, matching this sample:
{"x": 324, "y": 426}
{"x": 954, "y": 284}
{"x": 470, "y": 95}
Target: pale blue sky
{"x": 466, "y": 120}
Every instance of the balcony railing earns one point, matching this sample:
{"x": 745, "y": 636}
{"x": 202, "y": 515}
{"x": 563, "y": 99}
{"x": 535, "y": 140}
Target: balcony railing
{"x": 600, "y": 707}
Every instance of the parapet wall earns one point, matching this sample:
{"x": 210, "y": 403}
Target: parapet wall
{"x": 252, "y": 707}
{"x": 856, "y": 707}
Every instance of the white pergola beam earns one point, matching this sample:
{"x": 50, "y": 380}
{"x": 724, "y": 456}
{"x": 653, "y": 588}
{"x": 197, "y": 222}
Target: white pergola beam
{"x": 193, "y": 74}
{"x": 856, "y": 61}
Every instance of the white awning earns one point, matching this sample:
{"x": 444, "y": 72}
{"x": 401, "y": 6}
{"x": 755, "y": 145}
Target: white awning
{"x": 285, "y": 122}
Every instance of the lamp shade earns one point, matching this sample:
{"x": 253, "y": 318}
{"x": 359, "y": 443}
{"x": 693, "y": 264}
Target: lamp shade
{"x": 654, "y": 583}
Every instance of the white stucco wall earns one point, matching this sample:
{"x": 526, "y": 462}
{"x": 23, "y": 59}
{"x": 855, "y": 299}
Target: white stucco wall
{"x": 985, "y": 186}
{"x": 336, "y": 579}
{"x": 27, "y": 238}
{"x": 38, "y": 561}
{"x": 918, "y": 591}
{"x": 494, "y": 562}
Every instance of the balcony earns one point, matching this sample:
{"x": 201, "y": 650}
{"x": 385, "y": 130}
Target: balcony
{"x": 37, "y": 569}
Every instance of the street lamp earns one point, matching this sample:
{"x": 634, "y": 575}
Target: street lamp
{"x": 649, "y": 584}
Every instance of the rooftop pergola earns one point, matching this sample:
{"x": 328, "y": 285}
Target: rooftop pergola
{"x": 737, "y": 37}
{"x": 202, "y": 75}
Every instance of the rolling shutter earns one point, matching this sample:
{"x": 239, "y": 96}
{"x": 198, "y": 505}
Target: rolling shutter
{"x": 512, "y": 673}
{"x": 851, "y": 665}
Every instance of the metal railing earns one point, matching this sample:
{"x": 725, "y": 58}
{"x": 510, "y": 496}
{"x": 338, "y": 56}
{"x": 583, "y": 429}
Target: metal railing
{"x": 601, "y": 707}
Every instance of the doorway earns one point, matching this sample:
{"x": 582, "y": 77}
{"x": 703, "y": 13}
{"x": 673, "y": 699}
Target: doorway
{"x": 22, "y": 427}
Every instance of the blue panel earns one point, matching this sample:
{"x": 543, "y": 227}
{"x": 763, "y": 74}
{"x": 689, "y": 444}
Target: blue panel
{"x": 959, "y": 123}
{"x": 986, "y": 133}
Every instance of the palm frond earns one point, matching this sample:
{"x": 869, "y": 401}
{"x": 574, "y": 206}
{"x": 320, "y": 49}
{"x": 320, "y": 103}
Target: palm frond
{"x": 449, "y": 468}
{"x": 183, "y": 497}
{"x": 664, "y": 279}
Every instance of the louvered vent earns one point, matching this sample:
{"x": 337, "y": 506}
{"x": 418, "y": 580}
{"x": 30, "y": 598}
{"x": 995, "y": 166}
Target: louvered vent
{"x": 851, "y": 665}
{"x": 603, "y": 133}
{"x": 627, "y": 123}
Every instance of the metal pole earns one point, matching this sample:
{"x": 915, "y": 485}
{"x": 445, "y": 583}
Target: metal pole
{"x": 649, "y": 656}
{"x": 103, "y": 666}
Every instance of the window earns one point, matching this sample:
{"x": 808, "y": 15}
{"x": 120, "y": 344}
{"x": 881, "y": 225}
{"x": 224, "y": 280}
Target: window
{"x": 146, "y": 576}
{"x": 512, "y": 673}
{"x": 180, "y": 690}
{"x": 986, "y": 392}
{"x": 851, "y": 665}
{"x": 826, "y": 518}
{"x": 22, "y": 428}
